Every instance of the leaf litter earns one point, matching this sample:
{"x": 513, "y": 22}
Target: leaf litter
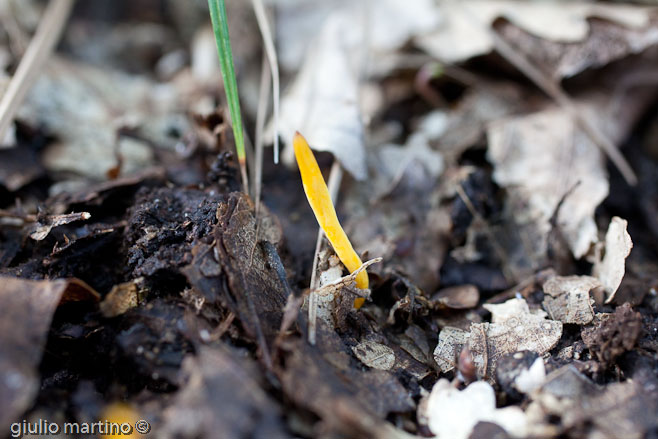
{"x": 498, "y": 308}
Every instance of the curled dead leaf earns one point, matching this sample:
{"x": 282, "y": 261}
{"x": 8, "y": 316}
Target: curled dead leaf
{"x": 611, "y": 268}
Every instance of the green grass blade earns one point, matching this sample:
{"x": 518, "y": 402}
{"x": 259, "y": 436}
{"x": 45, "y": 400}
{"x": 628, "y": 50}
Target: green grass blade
{"x": 220, "y": 28}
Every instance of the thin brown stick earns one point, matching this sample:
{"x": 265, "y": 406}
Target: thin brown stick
{"x": 41, "y": 46}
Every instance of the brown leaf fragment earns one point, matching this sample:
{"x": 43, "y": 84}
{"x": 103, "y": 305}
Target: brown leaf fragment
{"x": 605, "y": 43}
{"x": 570, "y": 402}
{"x": 568, "y": 298}
{"x": 458, "y": 297}
{"x": 255, "y": 274}
{"x": 44, "y": 225}
{"x": 514, "y": 327}
{"x": 540, "y": 157}
{"x": 451, "y": 341}
{"x": 337, "y": 392}
{"x": 26, "y": 310}
{"x": 375, "y": 355}
{"x": 416, "y": 344}
{"x": 77, "y": 290}
{"x": 223, "y": 395}
{"x": 611, "y": 268}
{"x": 625, "y": 410}
{"x": 613, "y": 334}
{"x": 98, "y": 194}
{"x": 120, "y": 299}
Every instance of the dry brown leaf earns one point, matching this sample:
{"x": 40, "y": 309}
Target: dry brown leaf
{"x": 457, "y": 297}
{"x": 201, "y": 408}
{"x": 613, "y": 334}
{"x": 462, "y": 34}
{"x": 541, "y": 157}
{"x": 323, "y": 103}
{"x": 605, "y": 43}
{"x": 375, "y": 355}
{"x": 84, "y": 107}
{"x": 568, "y": 298}
{"x": 451, "y": 413}
{"x": 43, "y": 226}
{"x": 26, "y": 310}
{"x": 121, "y": 298}
{"x": 451, "y": 341}
{"x": 514, "y": 327}
{"x": 569, "y": 401}
{"x": 611, "y": 268}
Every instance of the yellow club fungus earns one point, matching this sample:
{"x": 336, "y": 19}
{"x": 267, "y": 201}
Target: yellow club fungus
{"x": 323, "y": 208}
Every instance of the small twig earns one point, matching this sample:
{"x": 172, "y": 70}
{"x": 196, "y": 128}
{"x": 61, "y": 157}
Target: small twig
{"x": 220, "y": 330}
{"x": 42, "y": 44}
{"x": 335, "y": 178}
{"x": 555, "y": 91}
{"x": 270, "y": 51}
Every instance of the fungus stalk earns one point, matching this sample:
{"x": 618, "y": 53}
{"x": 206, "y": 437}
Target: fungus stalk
{"x": 323, "y": 208}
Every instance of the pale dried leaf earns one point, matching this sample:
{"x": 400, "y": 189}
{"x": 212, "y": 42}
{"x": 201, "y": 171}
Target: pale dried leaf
{"x": 451, "y": 341}
{"x": 42, "y": 227}
{"x": 541, "y": 157}
{"x": 514, "y": 327}
{"x": 610, "y": 270}
{"x": 323, "y": 101}
{"x": 332, "y": 288}
{"x": 568, "y": 298}
{"x": 452, "y": 413}
{"x": 463, "y": 34}
{"x": 386, "y": 24}
{"x": 375, "y": 355}
{"x": 80, "y": 105}
{"x": 605, "y": 43}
